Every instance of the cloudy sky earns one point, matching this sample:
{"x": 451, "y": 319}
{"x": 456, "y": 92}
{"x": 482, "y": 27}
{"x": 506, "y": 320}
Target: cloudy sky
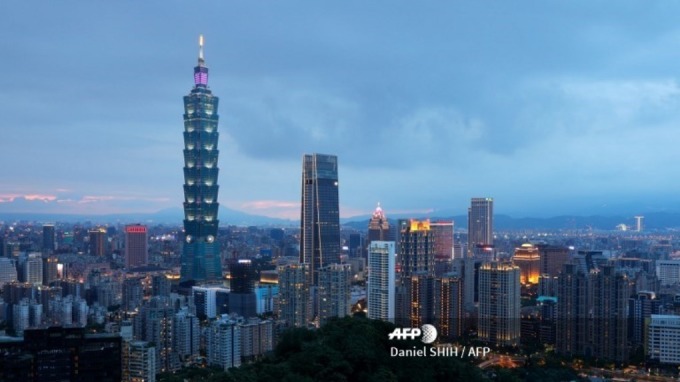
{"x": 549, "y": 107}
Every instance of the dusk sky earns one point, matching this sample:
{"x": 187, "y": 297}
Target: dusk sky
{"x": 548, "y": 107}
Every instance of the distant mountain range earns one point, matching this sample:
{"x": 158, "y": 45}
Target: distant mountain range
{"x": 167, "y": 216}
{"x": 652, "y": 221}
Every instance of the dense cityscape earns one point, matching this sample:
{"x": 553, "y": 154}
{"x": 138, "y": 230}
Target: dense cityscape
{"x": 133, "y": 301}
{"x": 527, "y": 295}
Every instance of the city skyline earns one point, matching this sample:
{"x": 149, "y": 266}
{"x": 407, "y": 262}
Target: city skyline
{"x": 501, "y": 100}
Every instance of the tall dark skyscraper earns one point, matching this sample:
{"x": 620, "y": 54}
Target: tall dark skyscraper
{"x": 480, "y": 227}
{"x": 320, "y": 217}
{"x": 201, "y": 253}
{"x": 49, "y": 239}
{"x": 242, "y": 276}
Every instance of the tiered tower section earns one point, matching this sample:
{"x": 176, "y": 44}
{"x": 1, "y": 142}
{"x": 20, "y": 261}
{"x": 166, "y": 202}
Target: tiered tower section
{"x": 201, "y": 254}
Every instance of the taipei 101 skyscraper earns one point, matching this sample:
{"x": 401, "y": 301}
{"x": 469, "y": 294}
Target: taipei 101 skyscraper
{"x": 201, "y": 253}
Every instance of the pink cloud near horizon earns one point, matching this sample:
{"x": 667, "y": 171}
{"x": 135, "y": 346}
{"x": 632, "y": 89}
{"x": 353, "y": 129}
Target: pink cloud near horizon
{"x": 94, "y": 204}
{"x": 9, "y": 198}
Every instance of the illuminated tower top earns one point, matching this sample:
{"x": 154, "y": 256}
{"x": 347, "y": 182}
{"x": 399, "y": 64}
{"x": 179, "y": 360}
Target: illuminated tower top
{"x": 378, "y": 214}
{"x": 378, "y": 226}
{"x": 201, "y": 71}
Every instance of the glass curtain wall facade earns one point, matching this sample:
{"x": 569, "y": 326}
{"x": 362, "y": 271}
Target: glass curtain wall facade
{"x": 320, "y": 217}
{"x": 200, "y": 254}
{"x": 480, "y": 225}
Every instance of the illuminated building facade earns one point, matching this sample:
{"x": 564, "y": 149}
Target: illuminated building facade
{"x": 499, "y": 304}
{"x": 668, "y": 271}
{"x": 415, "y": 272}
{"x": 210, "y": 301}
{"x": 139, "y": 361}
{"x": 186, "y": 334}
{"x": 448, "y": 297}
{"x": 223, "y": 343}
{"x": 335, "y": 299}
{"x": 421, "y": 293}
{"x": 381, "y": 280}
{"x": 435, "y": 300}
{"x": 379, "y": 227}
{"x": 416, "y": 248}
{"x": 295, "y": 305}
{"x": 8, "y": 271}
{"x": 528, "y": 260}
{"x": 136, "y": 246}
{"x": 257, "y": 338}
{"x": 155, "y": 321}
{"x": 201, "y": 254}
{"x": 663, "y": 339}
{"x": 32, "y": 269}
{"x": 320, "y": 213}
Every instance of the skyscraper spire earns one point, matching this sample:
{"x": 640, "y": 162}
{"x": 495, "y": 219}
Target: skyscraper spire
{"x": 378, "y": 213}
{"x": 201, "y": 71}
{"x": 201, "y": 60}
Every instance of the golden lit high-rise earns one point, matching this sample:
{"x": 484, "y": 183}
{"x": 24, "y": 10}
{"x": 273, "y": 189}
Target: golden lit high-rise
{"x": 415, "y": 272}
{"x": 528, "y": 259}
{"x": 499, "y": 304}
{"x": 416, "y": 248}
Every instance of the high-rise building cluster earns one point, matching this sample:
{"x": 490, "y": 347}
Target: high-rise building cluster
{"x": 149, "y": 288}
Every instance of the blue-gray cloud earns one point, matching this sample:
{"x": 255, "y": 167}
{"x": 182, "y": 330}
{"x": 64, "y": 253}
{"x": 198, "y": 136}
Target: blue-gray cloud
{"x": 426, "y": 104}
